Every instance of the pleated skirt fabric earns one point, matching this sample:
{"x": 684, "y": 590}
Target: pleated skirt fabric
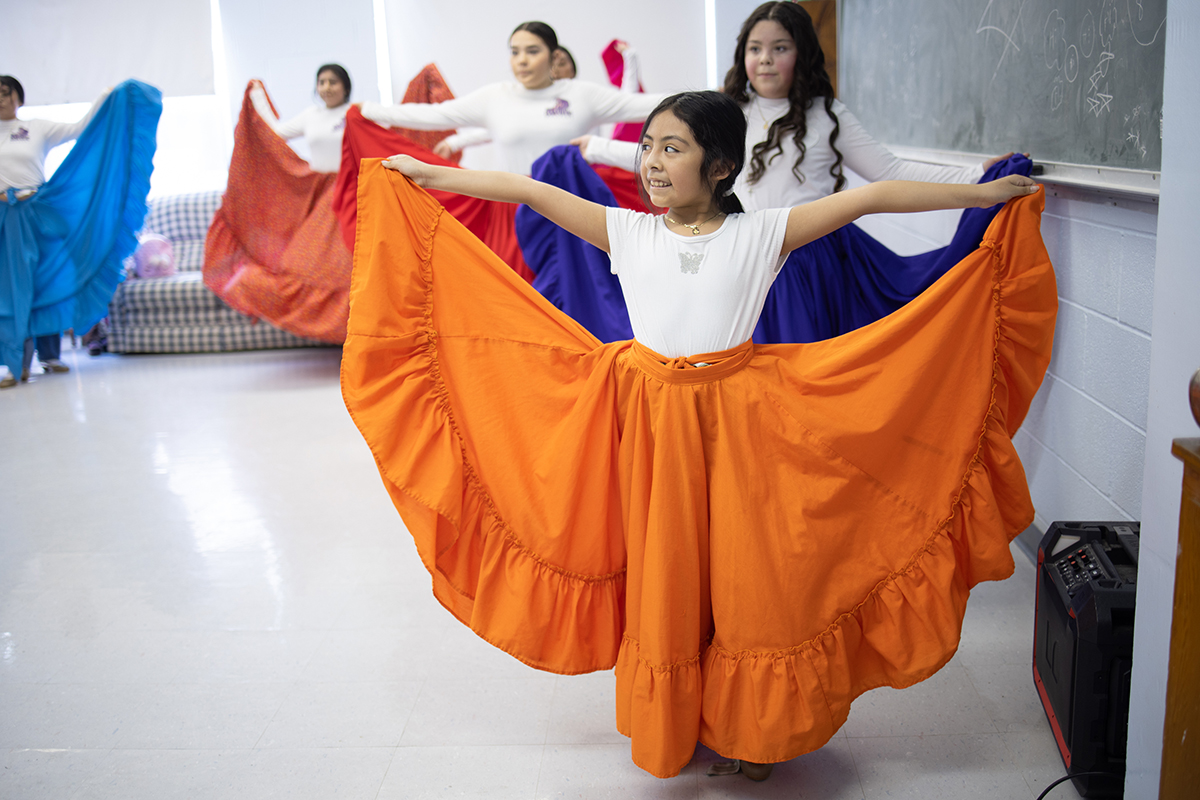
{"x": 753, "y": 543}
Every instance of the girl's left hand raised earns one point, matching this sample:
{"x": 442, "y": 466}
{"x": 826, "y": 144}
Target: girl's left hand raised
{"x": 1005, "y": 189}
{"x": 419, "y": 171}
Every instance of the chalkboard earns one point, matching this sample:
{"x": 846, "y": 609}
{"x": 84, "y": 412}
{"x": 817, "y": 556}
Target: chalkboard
{"x": 1069, "y": 81}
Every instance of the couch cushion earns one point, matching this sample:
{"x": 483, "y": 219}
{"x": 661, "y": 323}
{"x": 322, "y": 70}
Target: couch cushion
{"x": 183, "y": 217}
{"x": 179, "y": 314}
{"x": 203, "y": 339}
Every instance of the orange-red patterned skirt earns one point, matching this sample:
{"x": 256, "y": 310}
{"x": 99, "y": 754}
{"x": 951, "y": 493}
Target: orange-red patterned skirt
{"x": 274, "y": 250}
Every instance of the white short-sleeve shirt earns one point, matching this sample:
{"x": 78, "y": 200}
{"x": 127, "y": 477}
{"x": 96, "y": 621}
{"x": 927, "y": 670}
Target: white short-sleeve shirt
{"x": 688, "y": 294}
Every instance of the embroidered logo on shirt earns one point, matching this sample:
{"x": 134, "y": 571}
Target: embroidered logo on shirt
{"x": 20, "y": 135}
{"x": 561, "y": 109}
{"x": 690, "y": 262}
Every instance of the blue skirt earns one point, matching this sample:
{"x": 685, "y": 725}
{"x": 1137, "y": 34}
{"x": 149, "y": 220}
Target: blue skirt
{"x": 828, "y": 287}
{"x": 573, "y": 275}
{"x": 61, "y": 250}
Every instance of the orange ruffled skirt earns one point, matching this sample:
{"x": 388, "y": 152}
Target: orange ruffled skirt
{"x": 753, "y": 543}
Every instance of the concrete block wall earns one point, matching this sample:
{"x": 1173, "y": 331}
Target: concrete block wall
{"x": 1083, "y": 442}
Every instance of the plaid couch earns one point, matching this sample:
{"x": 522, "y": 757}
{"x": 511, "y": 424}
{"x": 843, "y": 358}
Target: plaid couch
{"x": 180, "y": 314}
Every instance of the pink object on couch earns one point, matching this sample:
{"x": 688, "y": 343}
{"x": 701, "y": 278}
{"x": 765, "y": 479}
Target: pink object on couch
{"x": 154, "y": 257}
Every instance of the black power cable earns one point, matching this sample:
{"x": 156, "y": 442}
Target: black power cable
{"x": 1064, "y": 778}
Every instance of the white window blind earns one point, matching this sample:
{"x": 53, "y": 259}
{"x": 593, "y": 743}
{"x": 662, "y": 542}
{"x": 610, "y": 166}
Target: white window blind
{"x": 68, "y": 51}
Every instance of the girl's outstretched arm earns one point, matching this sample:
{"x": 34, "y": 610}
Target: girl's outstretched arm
{"x": 585, "y": 219}
{"x": 813, "y": 220}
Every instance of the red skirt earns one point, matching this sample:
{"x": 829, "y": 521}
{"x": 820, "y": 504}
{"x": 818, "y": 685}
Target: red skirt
{"x": 490, "y": 221}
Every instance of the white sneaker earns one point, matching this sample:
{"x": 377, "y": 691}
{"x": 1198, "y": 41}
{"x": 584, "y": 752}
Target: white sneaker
{"x": 55, "y": 365}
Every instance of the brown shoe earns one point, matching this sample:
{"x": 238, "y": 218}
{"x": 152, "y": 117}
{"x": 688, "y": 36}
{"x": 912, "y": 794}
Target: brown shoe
{"x": 757, "y": 772}
{"x": 7, "y": 382}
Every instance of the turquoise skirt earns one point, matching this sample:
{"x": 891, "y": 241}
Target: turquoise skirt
{"x": 61, "y": 250}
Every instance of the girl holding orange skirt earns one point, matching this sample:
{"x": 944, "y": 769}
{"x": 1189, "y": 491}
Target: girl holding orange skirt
{"x": 754, "y": 535}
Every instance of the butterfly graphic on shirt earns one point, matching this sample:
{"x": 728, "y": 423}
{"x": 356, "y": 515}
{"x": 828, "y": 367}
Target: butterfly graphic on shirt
{"x": 561, "y": 108}
{"x": 690, "y": 262}
{"x": 20, "y": 135}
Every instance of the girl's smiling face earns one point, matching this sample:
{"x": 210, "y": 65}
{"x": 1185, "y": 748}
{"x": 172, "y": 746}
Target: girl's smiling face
{"x": 530, "y": 60}
{"x": 770, "y": 59}
{"x": 670, "y": 166}
{"x": 331, "y": 89}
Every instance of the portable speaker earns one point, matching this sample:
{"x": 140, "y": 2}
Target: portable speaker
{"x": 1083, "y": 646}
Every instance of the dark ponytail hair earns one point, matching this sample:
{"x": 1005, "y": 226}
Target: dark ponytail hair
{"x": 719, "y": 128}
{"x": 14, "y": 86}
{"x": 540, "y": 30}
{"x": 809, "y": 82}
{"x": 340, "y": 72}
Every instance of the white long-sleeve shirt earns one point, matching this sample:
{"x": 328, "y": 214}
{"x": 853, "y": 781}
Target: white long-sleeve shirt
{"x": 523, "y": 123}
{"x": 24, "y": 144}
{"x": 778, "y": 186}
{"x": 631, "y": 75}
{"x": 468, "y": 137}
{"x": 630, "y": 82}
{"x": 321, "y": 127}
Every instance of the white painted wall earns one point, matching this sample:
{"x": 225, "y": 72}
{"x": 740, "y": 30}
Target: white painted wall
{"x": 669, "y": 39}
{"x": 730, "y": 14}
{"x": 1083, "y": 442}
{"x": 1174, "y": 356}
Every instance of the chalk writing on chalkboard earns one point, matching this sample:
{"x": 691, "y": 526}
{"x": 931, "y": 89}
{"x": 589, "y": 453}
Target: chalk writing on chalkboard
{"x": 1071, "y": 81}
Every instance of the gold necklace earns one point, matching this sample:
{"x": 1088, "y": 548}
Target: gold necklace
{"x": 695, "y": 228}
{"x": 761, "y": 115}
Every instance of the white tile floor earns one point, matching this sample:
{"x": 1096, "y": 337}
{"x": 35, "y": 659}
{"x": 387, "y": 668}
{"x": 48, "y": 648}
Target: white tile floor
{"x": 206, "y": 593}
